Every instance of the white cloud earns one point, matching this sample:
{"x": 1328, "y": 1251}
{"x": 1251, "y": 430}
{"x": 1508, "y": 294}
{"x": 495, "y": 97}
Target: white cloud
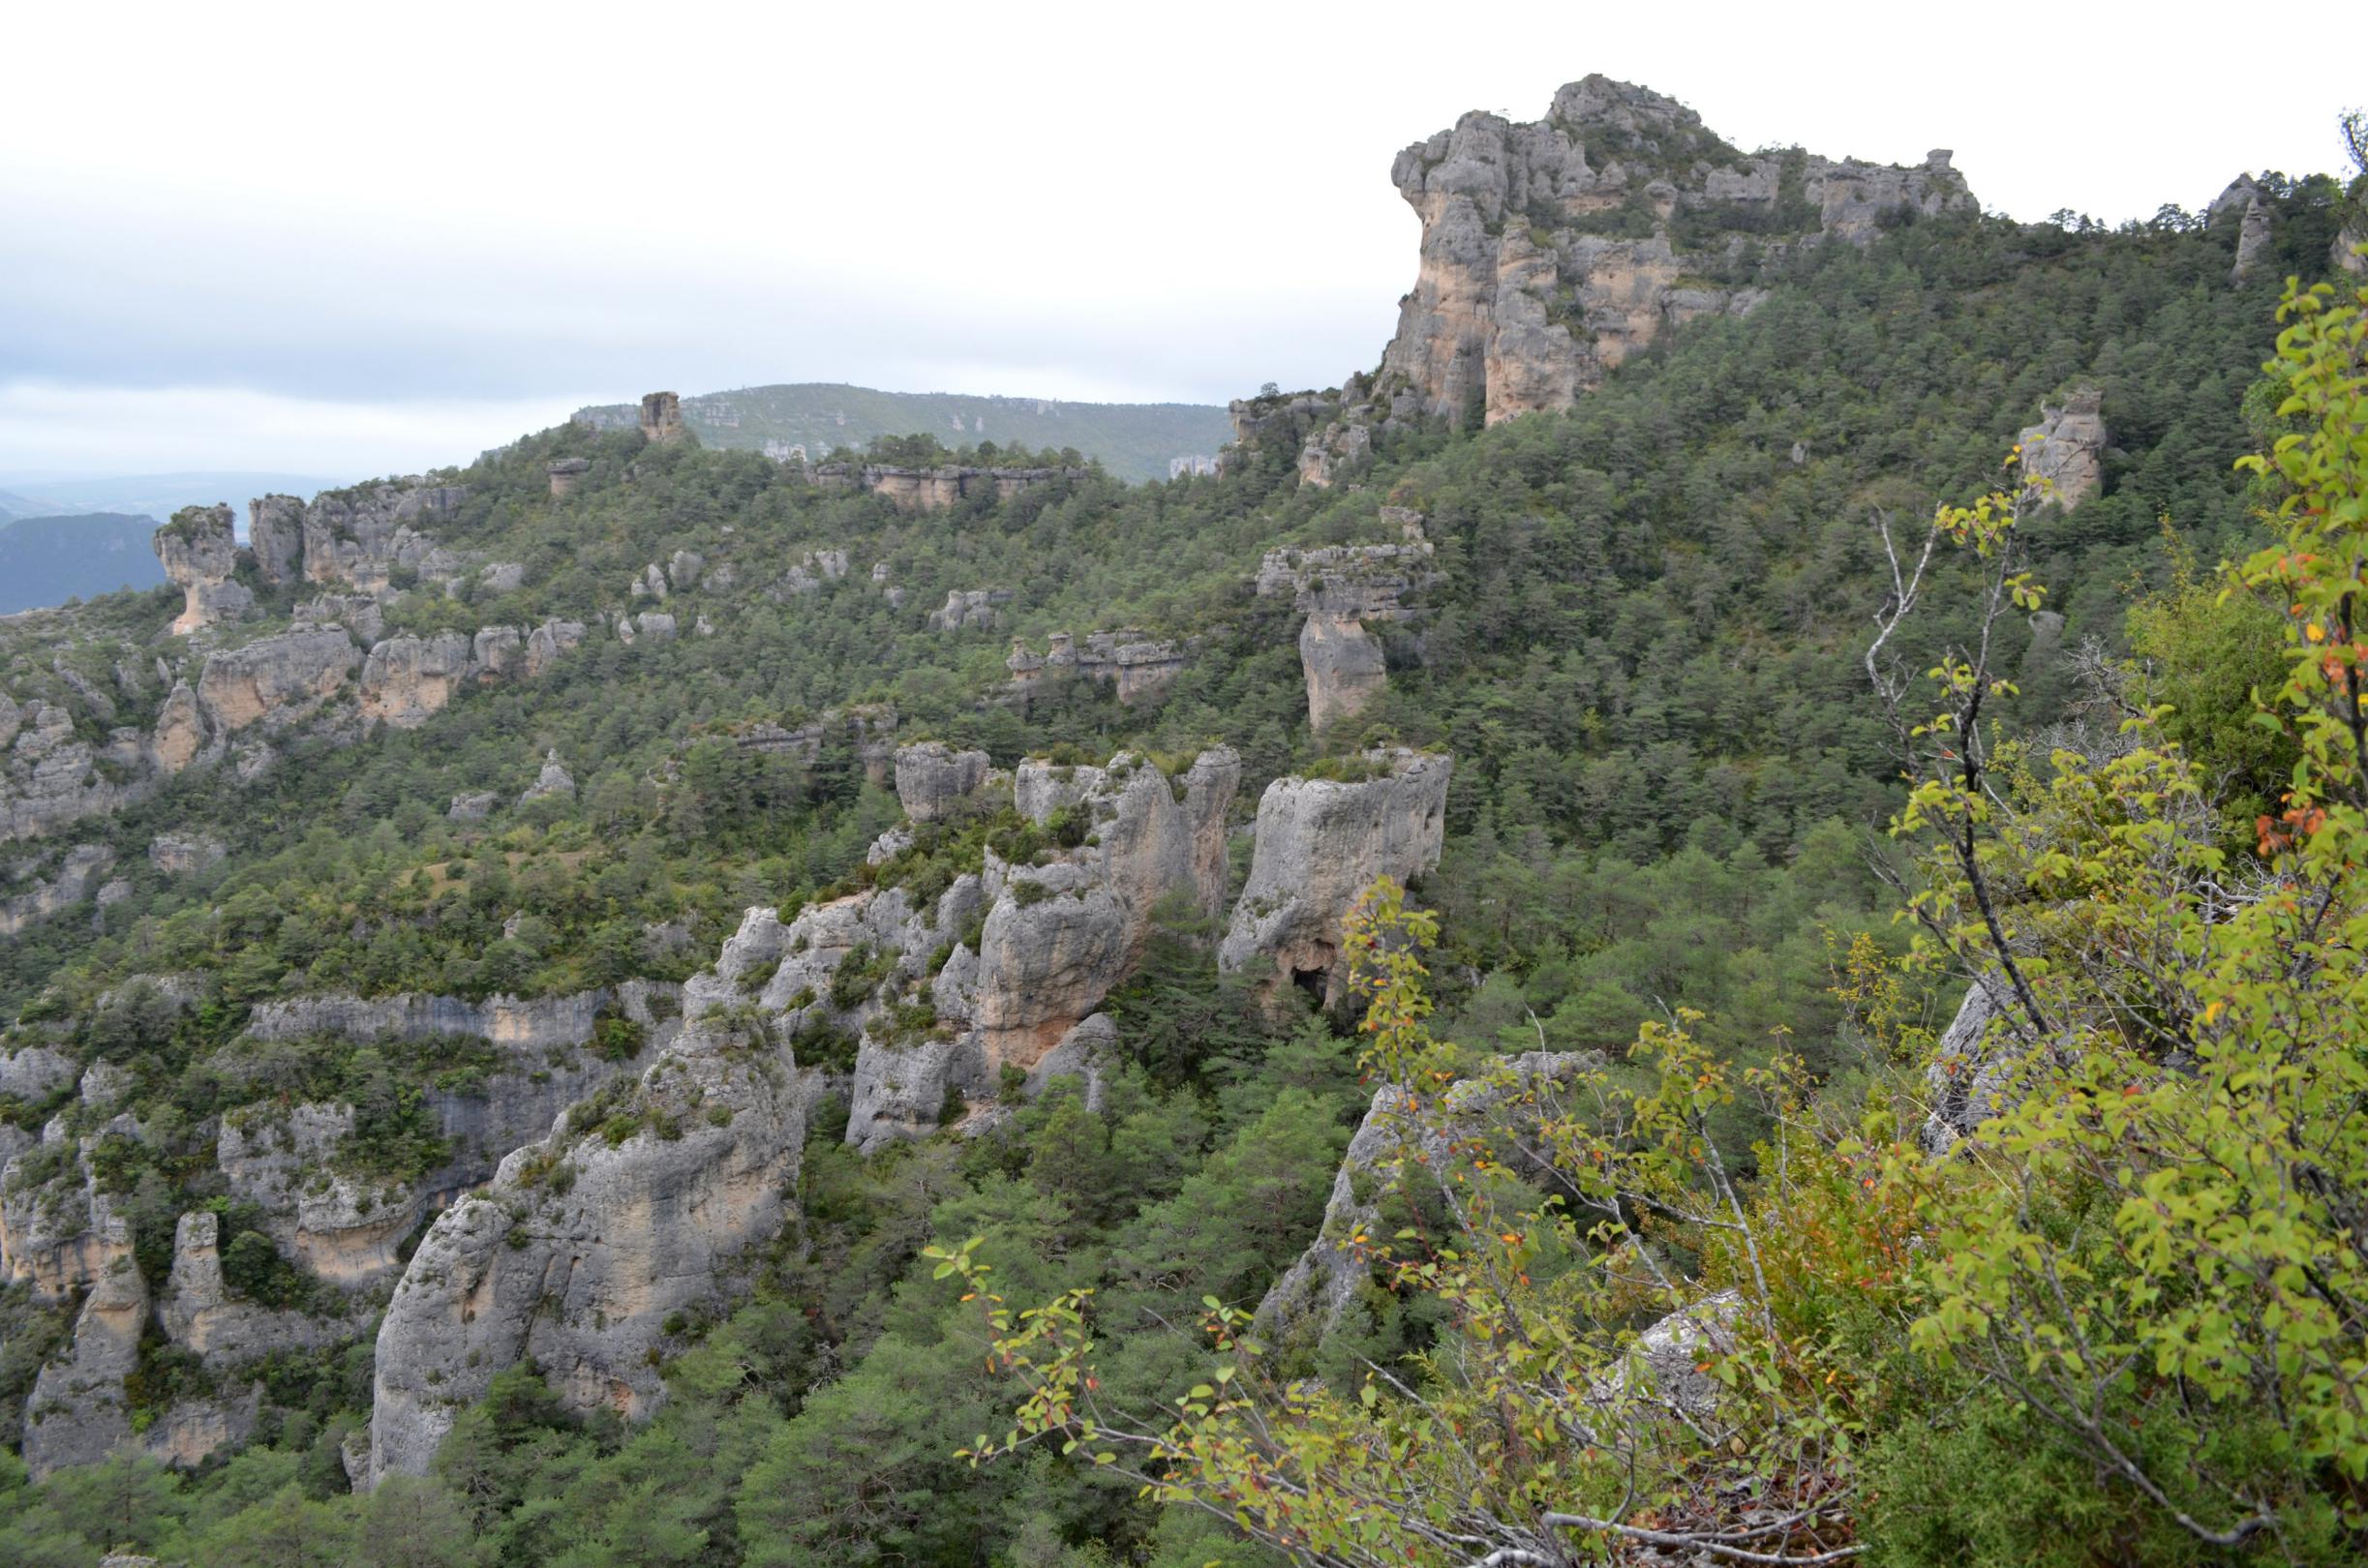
{"x": 529, "y": 204}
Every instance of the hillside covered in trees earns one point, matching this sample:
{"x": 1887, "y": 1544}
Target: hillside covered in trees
{"x": 1449, "y": 993}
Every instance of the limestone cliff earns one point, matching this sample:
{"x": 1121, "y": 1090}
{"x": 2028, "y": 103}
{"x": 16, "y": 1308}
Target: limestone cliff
{"x": 934, "y": 781}
{"x": 585, "y": 1244}
{"x": 2063, "y": 455}
{"x": 1136, "y": 667}
{"x": 1553, "y": 251}
{"x": 198, "y": 552}
{"x": 1050, "y": 954}
{"x": 1320, "y": 844}
{"x": 361, "y": 537}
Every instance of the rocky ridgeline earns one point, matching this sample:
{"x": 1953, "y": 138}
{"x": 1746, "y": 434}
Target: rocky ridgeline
{"x": 1138, "y": 668}
{"x": 1340, "y": 589}
{"x": 1524, "y": 298}
{"x": 930, "y": 490}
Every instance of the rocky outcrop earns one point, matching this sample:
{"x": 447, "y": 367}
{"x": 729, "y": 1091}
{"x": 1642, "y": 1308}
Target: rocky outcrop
{"x": 934, "y": 781}
{"x": 51, "y": 778}
{"x": 177, "y": 854}
{"x": 1341, "y": 587}
{"x": 1402, "y": 1137}
{"x": 344, "y": 1228}
{"x": 970, "y": 610}
{"x": 406, "y": 678}
{"x": 1320, "y": 844}
{"x": 2241, "y": 206}
{"x": 2066, "y": 449}
{"x": 553, "y": 782}
{"x": 33, "y": 1074}
{"x": 664, "y": 1198}
{"x": 78, "y": 1413}
{"x": 77, "y": 877}
{"x": 661, "y": 418}
{"x": 1552, "y": 252}
{"x": 275, "y": 534}
{"x": 1062, "y": 935}
{"x": 930, "y": 490}
{"x": 361, "y": 537}
{"x": 361, "y": 613}
{"x": 1344, "y": 668}
{"x": 1136, "y": 667}
{"x": 1972, "y": 1077}
{"x": 279, "y": 680}
{"x": 180, "y": 730}
{"x": 199, "y": 550}
{"x": 548, "y": 643}
{"x": 565, "y": 473}
{"x": 199, "y": 1313}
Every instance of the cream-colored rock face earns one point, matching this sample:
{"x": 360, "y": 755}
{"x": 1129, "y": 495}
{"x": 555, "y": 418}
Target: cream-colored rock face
{"x": 1520, "y": 304}
{"x": 1344, "y": 668}
{"x": 288, "y": 675}
{"x": 1320, "y": 844}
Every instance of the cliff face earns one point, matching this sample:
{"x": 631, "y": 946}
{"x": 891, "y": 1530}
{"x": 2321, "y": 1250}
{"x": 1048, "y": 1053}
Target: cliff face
{"x": 585, "y": 1243}
{"x": 1553, "y": 251}
{"x": 361, "y": 537}
{"x": 199, "y": 552}
{"x": 1320, "y": 844}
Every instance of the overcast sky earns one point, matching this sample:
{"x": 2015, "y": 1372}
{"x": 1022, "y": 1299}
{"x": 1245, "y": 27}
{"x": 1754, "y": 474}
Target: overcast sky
{"x": 352, "y": 240}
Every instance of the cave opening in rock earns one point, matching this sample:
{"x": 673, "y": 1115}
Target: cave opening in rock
{"x": 1310, "y": 980}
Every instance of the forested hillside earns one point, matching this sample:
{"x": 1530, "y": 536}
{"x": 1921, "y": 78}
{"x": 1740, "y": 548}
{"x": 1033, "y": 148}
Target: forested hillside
{"x": 555, "y": 1001}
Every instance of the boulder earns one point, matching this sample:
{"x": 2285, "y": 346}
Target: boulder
{"x": 934, "y": 781}
{"x": 198, "y": 551}
{"x": 565, "y": 474}
{"x": 1320, "y": 844}
{"x": 473, "y": 806}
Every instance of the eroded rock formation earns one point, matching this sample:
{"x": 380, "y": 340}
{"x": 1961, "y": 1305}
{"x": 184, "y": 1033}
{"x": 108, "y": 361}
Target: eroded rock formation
{"x": 662, "y": 1198}
{"x": 278, "y": 678}
{"x": 1320, "y": 844}
{"x": 1136, "y": 667}
{"x": 2066, "y": 448}
{"x": 1340, "y": 587}
{"x": 1552, "y": 252}
{"x": 930, "y": 490}
{"x": 78, "y": 1413}
{"x": 934, "y": 781}
{"x": 406, "y": 678}
{"x": 275, "y": 534}
{"x": 198, "y": 551}
{"x": 662, "y": 417}
{"x": 970, "y": 610}
{"x": 361, "y": 537}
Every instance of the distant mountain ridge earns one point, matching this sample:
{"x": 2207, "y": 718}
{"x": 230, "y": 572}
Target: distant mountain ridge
{"x": 154, "y": 496}
{"x": 1134, "y": 441}
{"x": 46, "y": 561}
